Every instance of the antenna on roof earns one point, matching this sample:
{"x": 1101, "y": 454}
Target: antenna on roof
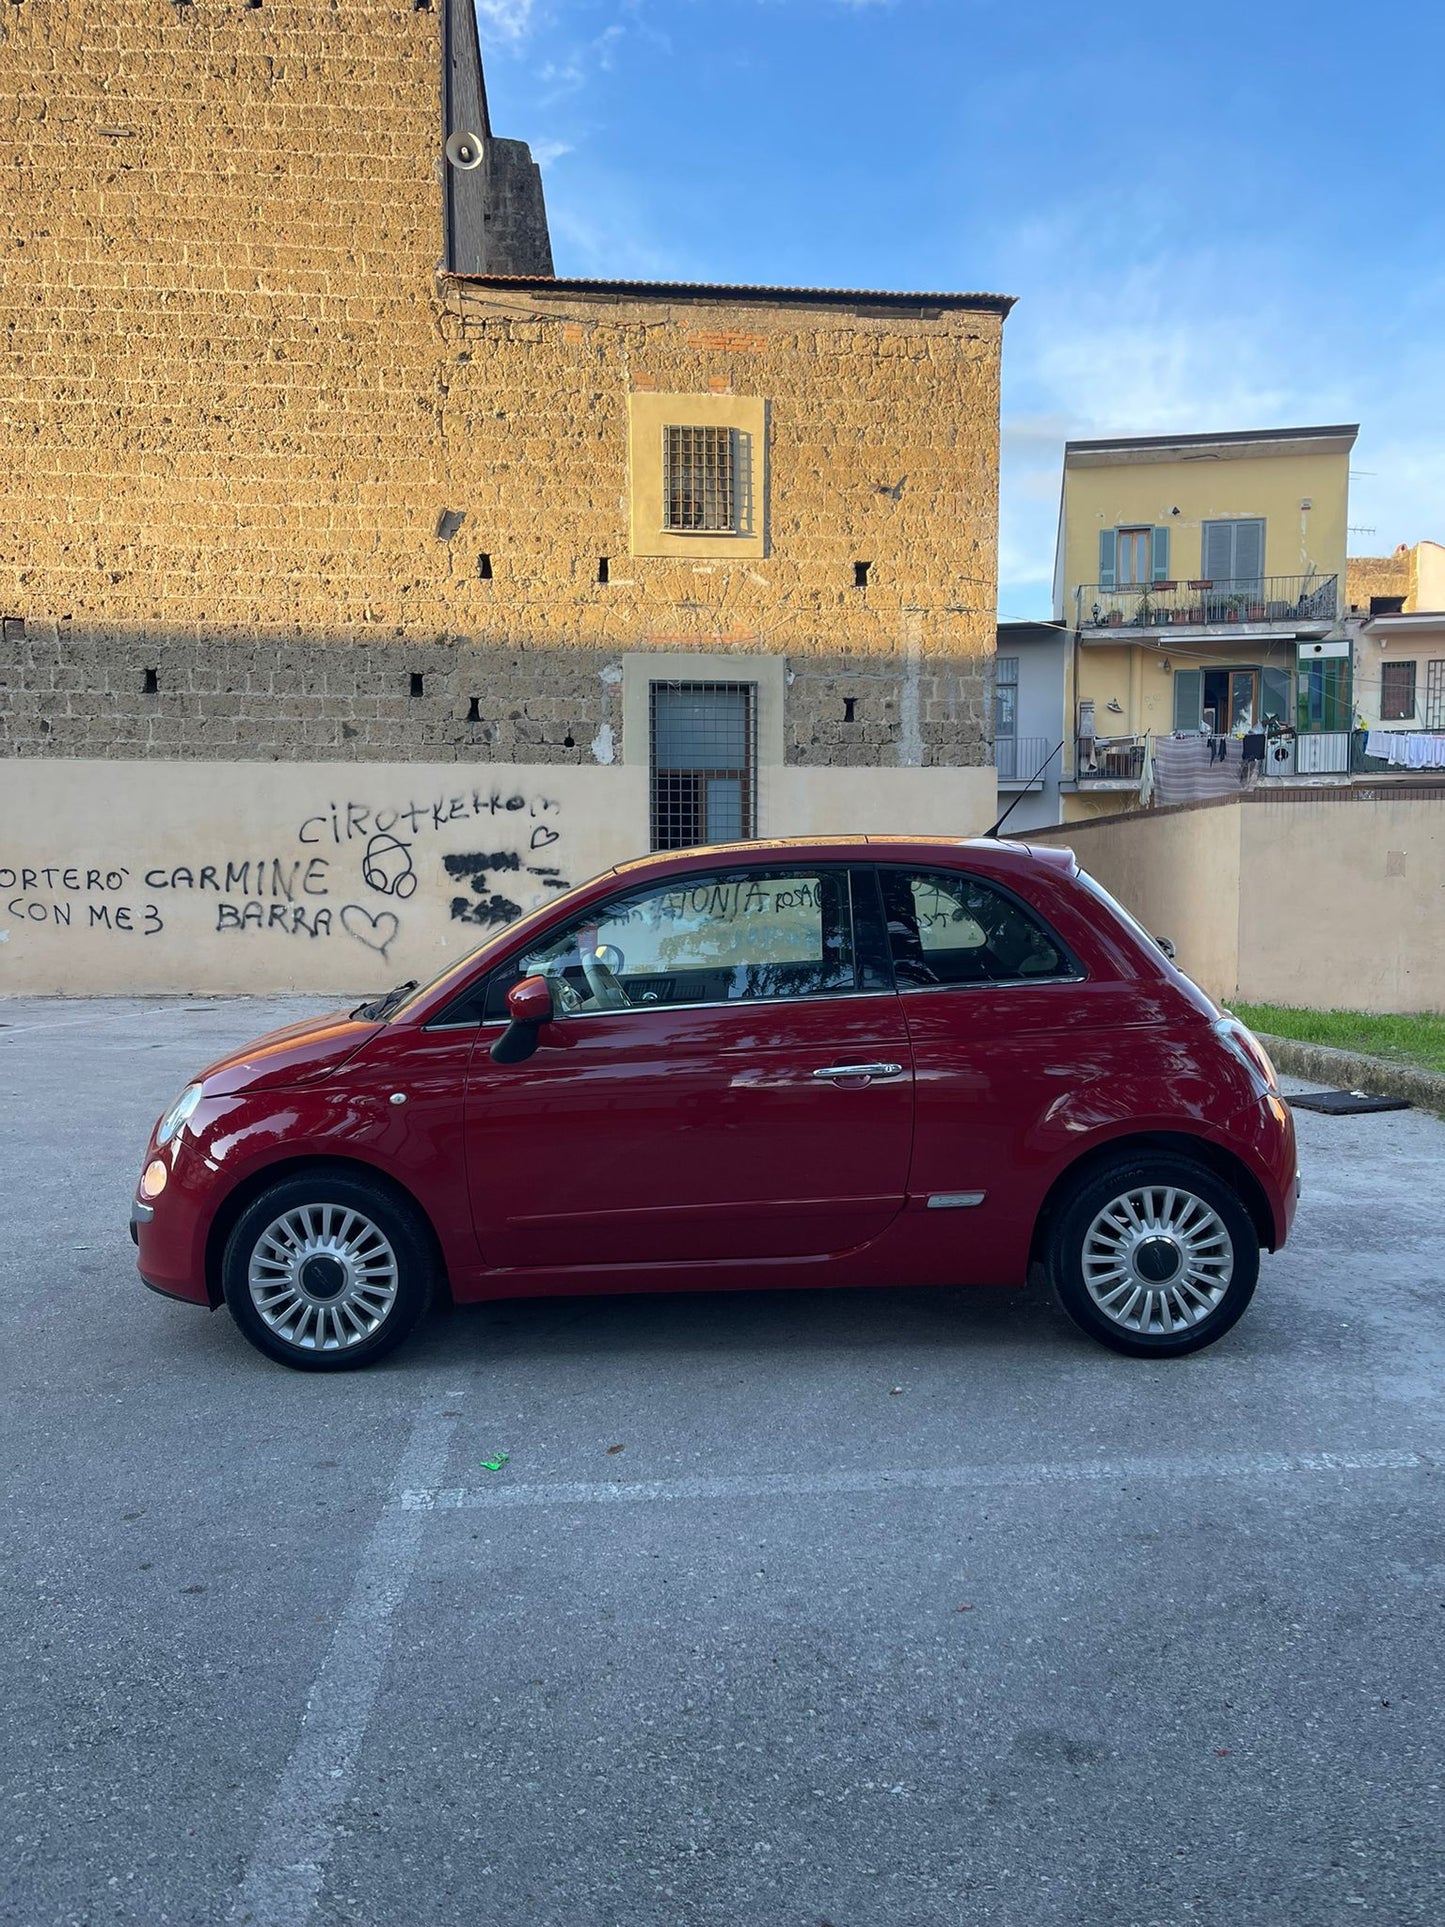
{"x": 993, "y": 832}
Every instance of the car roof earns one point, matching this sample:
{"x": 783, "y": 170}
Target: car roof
{"x": 991, "y": 852}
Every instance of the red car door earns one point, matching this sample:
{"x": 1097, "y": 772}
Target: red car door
{"x": 722, "y": 1080}
{"x": 1004, "y": 1027}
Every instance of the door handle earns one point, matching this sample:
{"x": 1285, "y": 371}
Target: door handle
{"x": 865, "y": 1073}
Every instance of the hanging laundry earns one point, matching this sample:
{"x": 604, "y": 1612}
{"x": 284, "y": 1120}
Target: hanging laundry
{"x": 1189, "y": 768}
{"x": 1146, "y": 774}
{"x": 1407, "y": 748}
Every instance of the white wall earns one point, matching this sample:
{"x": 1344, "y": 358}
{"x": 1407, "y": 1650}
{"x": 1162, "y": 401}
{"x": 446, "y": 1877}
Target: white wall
{"x": 155, "y": 877}
{"x": 1331, "y": 899}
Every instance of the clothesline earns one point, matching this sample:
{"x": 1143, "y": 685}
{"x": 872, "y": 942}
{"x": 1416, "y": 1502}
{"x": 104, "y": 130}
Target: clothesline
{"x": 1407, "y": 748}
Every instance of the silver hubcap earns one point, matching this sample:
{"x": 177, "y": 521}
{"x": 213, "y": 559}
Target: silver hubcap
{"x": 323, "y": 1277}
{"x": 1157, "y": 1259}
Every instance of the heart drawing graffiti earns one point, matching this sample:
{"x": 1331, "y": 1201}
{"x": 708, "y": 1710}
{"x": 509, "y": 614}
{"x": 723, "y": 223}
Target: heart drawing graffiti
{"x": 377, "y": 932}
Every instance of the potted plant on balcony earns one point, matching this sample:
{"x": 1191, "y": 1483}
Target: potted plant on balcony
{"x": 1232, "y": 607}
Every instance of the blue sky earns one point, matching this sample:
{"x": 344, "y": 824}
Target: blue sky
{"x": 1224, "y": 218}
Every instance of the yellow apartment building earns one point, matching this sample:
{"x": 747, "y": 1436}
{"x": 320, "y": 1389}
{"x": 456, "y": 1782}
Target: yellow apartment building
{"x": 1200, "y": 579}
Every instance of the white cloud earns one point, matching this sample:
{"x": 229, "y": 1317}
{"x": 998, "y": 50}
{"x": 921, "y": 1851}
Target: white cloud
{"x": 1192, "y": 339}
{"x": 570, "y": 75}
{"x": 508, "y": 19}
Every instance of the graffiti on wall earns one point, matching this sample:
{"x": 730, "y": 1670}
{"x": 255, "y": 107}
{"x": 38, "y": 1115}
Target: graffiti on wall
{"x": 351, "y": 874}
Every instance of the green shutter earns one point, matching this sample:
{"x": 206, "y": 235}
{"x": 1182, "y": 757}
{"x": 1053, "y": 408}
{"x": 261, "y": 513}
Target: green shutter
{"x": 1108, "y": 545}
{"x": 1188, "y": 698}
{"x": 1159, "y": 556}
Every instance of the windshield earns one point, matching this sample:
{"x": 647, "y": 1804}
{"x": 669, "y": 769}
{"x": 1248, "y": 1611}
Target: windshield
{"x": 463, "y": 966}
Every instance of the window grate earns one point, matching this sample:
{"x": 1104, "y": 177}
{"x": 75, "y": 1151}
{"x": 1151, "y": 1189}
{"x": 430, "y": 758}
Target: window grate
{"x": 1006, "y": 692}
{"x": 1397, "y": 692}
{"x": 698, "y": 479}
{"x": 703, "y": 752}
{"x": 1435, "y": 694}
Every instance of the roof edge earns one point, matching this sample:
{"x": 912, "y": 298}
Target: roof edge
{"x": 1226, "y": 438}
{"x": 998, "y": 304}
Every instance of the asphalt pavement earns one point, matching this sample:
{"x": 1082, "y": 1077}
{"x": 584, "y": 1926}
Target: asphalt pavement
{"x": 877, "y": 1609}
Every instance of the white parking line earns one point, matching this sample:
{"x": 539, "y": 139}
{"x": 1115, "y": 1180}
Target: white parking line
{"x": 297, "y": 1830}
{"x": 875, "y": 1480}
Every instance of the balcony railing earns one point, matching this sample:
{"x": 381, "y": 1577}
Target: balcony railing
{"x": 1019, "y": 758}
{"x": 1201, "y": 604}
{"x": 1116, "y": 762}
{"x": 1108, "y": 759}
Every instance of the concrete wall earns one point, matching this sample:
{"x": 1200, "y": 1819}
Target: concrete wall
{"x": 1344, "y": 901}
{"x": 1331, "y": 899}
{"x": 139, "y": 877}
{"x": 1178, "y": 872}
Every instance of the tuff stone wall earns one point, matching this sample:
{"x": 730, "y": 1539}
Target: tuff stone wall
{"x": 147, "y": 695}
{"x": 260, "y": 446}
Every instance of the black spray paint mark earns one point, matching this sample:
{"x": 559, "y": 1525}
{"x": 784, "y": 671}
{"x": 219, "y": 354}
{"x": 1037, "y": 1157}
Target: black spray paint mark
{"x": 387, "y": 866}
{"x": 377, "y": 932}
{"x": 348, "y": 822}
{"x": 297, "y": 919}
{"x": 484, "y": 906}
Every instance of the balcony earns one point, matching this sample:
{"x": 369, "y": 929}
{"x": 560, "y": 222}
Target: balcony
{"x": 1286, "y": 601}
{"x": 1108, "y": 762}
{"x": 1019, "y": 759}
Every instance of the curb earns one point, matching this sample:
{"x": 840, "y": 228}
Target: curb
{"x": 1350, "y": 1071}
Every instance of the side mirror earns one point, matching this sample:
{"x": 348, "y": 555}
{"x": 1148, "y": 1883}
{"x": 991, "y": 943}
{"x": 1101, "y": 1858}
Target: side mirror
{"x": 1166, "y": 946}
{"x": 529, "y": 1005}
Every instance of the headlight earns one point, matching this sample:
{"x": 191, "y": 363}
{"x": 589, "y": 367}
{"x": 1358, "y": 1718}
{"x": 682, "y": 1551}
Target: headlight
{"x": 176, "y": 1116}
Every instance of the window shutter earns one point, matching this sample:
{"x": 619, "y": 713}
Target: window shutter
{"x": 1188, "y": 698}
{"x": 1217, "y": 551}
{"x": 1159, "y": 556}
{"x": 1108, "y": 544}
{"x": 1249, "y": 552}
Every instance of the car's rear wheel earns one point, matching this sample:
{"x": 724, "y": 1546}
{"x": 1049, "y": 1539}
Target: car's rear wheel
{"x": 1153, "y": 1255}
{"x": 327, "y": 1272}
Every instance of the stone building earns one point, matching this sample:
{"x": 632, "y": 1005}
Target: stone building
{"x": 363, "y": 581}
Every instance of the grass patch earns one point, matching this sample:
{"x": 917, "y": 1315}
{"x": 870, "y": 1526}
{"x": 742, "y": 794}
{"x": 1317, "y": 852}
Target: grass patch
{"x": 1402, "y": 1039}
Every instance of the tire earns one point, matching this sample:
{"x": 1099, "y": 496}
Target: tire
{"x": 326, "y": 1272}
{"x": 1153, "y": 1255}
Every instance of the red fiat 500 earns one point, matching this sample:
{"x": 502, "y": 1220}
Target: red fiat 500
{"x": 837, "y": 1061}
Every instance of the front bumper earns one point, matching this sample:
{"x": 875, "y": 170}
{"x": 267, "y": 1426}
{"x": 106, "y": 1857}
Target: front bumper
{"x": 169, "y": 1237}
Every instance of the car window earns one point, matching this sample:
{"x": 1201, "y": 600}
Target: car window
{"x": 947, "y": 927}
{"x": 707, "y": 939}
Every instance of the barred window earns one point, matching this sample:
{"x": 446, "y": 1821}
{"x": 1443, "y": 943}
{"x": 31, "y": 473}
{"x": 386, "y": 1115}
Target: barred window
{"x": 1397, "y": 692}
{"x": 698, "y": 491}
{"x": 704, "y": 763}
{"x": 1006, "y": 695}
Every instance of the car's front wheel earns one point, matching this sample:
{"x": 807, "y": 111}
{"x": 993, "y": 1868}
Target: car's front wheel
{"x": 327, "y": 1272}
{"x": 1153, "y": 1255}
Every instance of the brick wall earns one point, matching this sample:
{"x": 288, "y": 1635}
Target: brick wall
{"x": 240, "y": 399}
